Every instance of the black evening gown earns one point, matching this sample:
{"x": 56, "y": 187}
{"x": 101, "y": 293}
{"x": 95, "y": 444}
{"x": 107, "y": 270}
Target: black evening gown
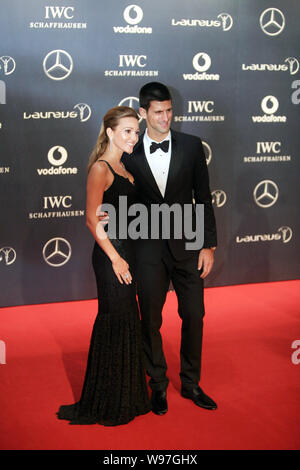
{"x": 115, "y": 388}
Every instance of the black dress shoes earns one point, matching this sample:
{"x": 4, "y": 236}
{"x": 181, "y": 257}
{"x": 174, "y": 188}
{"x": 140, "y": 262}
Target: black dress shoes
{"x": 159, "y": 402}
{"x": 199, "y": 398}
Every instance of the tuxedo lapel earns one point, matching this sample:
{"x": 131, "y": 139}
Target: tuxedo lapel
{"x": 175, "y": 165}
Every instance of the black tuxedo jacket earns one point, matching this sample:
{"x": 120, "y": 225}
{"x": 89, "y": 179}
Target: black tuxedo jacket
{"x": 187, "y": 180}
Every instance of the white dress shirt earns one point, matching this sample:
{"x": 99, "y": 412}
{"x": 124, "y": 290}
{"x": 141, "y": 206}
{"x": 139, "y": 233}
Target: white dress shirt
{"x": 159, "y": 161}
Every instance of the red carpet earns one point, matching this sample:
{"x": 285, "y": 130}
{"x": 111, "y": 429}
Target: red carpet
{"x": 247, "y": 369}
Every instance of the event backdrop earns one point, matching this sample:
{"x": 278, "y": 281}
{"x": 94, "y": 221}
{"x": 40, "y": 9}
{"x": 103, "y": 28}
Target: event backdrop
{"x": 233, "y": 69}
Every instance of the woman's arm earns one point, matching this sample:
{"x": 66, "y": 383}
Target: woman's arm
{"x": 98, "y": 180}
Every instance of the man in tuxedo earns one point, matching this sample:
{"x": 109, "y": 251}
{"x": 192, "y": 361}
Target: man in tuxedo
{"x": 169, "y": 167}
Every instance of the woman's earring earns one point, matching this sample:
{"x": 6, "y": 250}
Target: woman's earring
{"x": 110, "y": 144}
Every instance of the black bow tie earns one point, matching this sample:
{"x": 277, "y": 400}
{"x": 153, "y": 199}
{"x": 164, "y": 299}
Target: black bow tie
{"x": 162, "y": 145}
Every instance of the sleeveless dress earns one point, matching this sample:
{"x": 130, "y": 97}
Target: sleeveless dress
{"x": 115, "y": 388}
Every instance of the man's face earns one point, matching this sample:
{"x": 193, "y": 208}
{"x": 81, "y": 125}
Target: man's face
{"x": 158, "y": 117}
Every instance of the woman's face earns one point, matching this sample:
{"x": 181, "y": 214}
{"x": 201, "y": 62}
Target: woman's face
{"x": 126, "y": 134}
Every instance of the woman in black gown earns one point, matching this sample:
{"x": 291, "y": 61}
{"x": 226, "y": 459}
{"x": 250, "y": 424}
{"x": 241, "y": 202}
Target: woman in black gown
{"x": 114, "y": 389}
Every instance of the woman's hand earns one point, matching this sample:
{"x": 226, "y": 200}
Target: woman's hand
{"x": 121, "y": 269}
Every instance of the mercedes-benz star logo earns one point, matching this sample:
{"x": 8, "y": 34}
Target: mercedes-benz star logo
{"x": 58, "y": 64}
{"x": 266, "y": 193}
{"x": 219, "y": 197}
{"x": 272, "y": 21}
{"x": 8, "y": 255}
{"x": 57, "y": 252}
{"x": 132, "y": 102}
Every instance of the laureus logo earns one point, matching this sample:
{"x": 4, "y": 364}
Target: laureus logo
{"x": 7, "y": 255}
{"x": 80, "y": 110}
{"x": 224, "y": 21}
{"x": 84, "y": 111}
{"x": 283, "y": 234}
{"x": 219, "y": 197}
{"x": 291, "y": 65}
{"x": 7, "y": 64}
{"x": 286, "y": 234}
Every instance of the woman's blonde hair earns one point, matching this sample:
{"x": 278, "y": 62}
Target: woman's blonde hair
{"x": 111, "y": 119}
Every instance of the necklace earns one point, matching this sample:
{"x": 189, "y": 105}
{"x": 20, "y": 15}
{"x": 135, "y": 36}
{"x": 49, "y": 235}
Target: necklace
{"x": 125, "y": 171}
{"x": 123, "y": 167}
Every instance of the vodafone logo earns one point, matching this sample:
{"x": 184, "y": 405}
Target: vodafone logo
{"x": 133, "y": 14}
{"x": 57, "y": 161}
{"x": 57, "y": 156}
{"x": 269, "y": 104}
{"x": 201, "y": 63}
{"x": 205, "y": 62}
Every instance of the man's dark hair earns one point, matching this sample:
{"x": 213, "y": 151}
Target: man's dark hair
{"x": 153, "y": 91}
